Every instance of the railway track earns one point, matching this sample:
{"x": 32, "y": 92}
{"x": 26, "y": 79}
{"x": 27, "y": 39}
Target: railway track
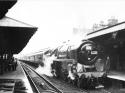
{"x": 39, "y": 83}
{"x": 55, "y": 85}
{"x": 74, "y": 88}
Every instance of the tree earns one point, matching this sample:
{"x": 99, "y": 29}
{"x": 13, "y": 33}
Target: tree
{"x": 112, "y": 21}
{"x": 101, "y": 25}
{"x": 95, "y": 27}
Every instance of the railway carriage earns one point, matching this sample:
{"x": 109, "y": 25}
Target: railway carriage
{"x": 35, "y": 59}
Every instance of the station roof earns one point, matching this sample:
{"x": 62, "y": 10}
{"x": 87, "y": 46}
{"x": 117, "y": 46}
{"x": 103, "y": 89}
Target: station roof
{"x": 14, "y": 35}
{"x": 111, "y": 37}
{"x": 5, "y": 5}
{"x": 107, "y": 30}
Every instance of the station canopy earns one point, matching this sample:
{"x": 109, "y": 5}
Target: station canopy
{"x": 5, "y": 5}
{"x": 112, "y": 38}
{"x": 14, "y": 35}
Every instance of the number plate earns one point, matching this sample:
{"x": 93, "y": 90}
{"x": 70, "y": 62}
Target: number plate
{"x": 94, "y": 52}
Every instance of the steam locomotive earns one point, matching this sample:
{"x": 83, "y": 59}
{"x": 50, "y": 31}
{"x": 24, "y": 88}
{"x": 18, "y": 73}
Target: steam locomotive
{"x": 84, "y": 64}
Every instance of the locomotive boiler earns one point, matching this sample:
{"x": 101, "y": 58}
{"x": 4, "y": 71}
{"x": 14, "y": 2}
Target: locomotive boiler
{"x": 84, "y": 64}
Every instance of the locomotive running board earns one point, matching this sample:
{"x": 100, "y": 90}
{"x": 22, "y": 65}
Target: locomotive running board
{"x": 99, "y": 86}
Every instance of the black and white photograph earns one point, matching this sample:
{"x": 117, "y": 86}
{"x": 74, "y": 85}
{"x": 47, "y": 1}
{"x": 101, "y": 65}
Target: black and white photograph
{"x": 62, "y": 46}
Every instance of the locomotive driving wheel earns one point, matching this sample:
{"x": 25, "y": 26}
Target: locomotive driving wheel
{"x": 81, "y": 82}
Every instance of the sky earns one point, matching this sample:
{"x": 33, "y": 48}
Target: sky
{"x": 56, "y": 19}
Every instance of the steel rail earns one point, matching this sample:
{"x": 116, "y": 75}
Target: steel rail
{"x": 31, "y": 80}
{"x": 48, "y": 82}
{"x": 58, "y": 90}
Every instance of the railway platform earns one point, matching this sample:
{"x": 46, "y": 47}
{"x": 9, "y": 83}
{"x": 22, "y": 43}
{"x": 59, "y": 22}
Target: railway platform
{"x": 15, "y": 81}
{"x": 118, "y": 75}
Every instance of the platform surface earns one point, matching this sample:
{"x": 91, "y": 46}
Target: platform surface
{"x": 16, "y": 76}
{"x": 116, "y": 75}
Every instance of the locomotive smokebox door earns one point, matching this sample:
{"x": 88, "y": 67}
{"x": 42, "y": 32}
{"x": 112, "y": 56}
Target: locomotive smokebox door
{"x": 87, "y": 53}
